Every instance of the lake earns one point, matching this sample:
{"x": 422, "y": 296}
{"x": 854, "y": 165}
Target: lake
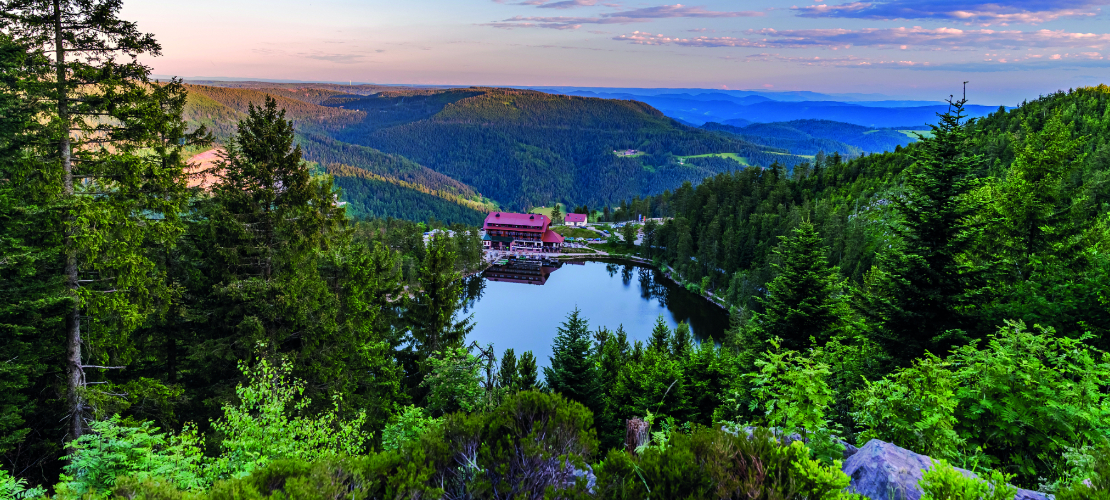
{"x": 521, "y": 306}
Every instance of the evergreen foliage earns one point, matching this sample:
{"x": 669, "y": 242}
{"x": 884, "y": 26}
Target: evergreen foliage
{"x": 806, "y": 303}
{"x": 573, "y": 373}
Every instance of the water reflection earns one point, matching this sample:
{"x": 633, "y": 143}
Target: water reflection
{"x": 510, "y": 314}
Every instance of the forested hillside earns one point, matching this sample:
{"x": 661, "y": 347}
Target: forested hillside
{"x": 517, "y": 148}
{"x": 220, "y": 108}
{"x": 526, "y": 148}
{"x": 1032, "y": 227}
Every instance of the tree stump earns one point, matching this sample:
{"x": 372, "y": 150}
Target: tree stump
{"x": 636, "y": 434}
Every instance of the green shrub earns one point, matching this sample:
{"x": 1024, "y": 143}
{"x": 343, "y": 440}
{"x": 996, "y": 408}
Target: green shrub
{"x": 1020, "y": 402}
{"x": 260, "y": 428}
{"x": 792, "y": 394}
{"x": 376, "y": 476}
{"x": 532, "y": 442}
{"x": 1097, "y": 477}
{"x": 116, "y": 448}
{"x": 407, "y": 426}
{"x": 12, "y": 488}
{"x": 944, "y": 482}
{"x": 712, "y": 464}
{"x": 913, "y": 408}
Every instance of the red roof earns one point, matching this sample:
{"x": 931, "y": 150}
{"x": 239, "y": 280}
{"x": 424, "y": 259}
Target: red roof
{"x": 550, "y": 236}
{"x": 531, "y": 220}
{"x": 575, "y": 218}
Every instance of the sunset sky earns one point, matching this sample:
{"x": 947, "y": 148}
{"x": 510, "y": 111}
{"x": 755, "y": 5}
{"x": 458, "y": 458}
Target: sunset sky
{"x": 920, "y": 49}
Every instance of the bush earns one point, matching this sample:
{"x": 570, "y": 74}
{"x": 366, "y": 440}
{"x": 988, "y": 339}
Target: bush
{"x": 406, "y": 427}
{"x": 377, "y": 476}
{"x": 710, "y": 463}
{"x": 1019, "y": 402}
{"x": 116, "y": 448}
{"x": 260, "y": 429}
{"x": 532, "y": 442}
{"x": 944, "y": 482}
{"x": 12, "y": 488}
{"x": 1097, "y": 486}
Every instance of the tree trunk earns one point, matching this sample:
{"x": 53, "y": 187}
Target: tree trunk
{"x": 75, "y": 375}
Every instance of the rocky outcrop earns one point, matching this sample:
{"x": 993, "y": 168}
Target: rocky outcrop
{"x": 883, "y": 471}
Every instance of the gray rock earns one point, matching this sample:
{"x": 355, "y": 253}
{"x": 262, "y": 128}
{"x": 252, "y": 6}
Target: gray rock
{"x": 575, "y": 473}
{"x": 882, "y": 471}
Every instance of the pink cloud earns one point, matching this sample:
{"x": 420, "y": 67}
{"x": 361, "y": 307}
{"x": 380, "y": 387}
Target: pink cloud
{"x": 903, "y": 38}
{"x": 982, "y": 12}
{"x": 621, "y": 17}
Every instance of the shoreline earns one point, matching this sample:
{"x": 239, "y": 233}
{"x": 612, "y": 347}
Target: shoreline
{"x": 711, "y": 298}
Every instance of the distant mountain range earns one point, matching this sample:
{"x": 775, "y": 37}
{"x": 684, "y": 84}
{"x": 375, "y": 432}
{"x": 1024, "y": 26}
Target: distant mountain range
{"x": 809, "y": 137}
{"x": 697, "y": 107}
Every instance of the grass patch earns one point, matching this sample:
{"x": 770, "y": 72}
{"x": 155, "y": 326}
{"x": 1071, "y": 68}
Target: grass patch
{"x": 618, "y": 249}
{"x": 730, "y": 156}
{"x": 912, "y": 134}
{"x": 547, "y": 210}
{"x": 578, "y": 250}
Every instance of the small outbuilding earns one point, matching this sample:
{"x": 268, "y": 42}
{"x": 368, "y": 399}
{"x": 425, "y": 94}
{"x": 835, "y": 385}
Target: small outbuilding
{"x": 575, "y": 220}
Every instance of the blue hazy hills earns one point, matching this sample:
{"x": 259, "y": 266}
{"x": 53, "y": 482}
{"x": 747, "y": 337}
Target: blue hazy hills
{"x": 740, "y": 107}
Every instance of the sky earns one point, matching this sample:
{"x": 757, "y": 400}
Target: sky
{"x": 904, "y": 49}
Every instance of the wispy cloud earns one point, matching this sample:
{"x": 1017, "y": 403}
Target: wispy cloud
{"x": 645, "y": 14}
{"x": 989, "y": 63}
{"x": 560, "y": 4}
{"x": 982, "y": 12}
{"x": 903, "y": 38}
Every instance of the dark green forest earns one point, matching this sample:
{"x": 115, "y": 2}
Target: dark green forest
{"x": 251, "y": 339}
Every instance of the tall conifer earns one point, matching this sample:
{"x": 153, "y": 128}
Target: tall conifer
{"x": 806, "y": 300}
{"x": 573, "y": 372}
{"x": 108, "y": 159}
{"x": 920, "y": 294}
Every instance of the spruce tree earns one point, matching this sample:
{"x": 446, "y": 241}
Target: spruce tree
{"x": 573, "y": 372}
{"x": 921, "y": 294}
{"x": 32, "y": 296}
{"x": 508, "y": 376}
{"x": 1031, "y": 199}
{"x": 432, "y": 312}
{"x": 556, "y": 215}
{"x": 660, "y": 335}
{"x": 106, "y": 154}
{"x": 682, "y": 342}
{"x": 529, "y": 372}
{"x": 806, "y": 300}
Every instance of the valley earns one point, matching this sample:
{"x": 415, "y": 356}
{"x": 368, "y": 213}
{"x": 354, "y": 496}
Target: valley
{"x": 457, "y": 152}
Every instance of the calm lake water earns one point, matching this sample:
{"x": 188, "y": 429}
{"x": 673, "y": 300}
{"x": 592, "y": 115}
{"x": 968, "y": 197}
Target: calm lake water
{"x": 524, "y": 316}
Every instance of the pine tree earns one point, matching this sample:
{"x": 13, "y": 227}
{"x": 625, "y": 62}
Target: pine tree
{"x": 682, "y": 342}
{"x": 660, "y": 335}
{"x": 921, "y": 290}
{"x": 1029, "y": 200}
{"x": 806, "y": 300}
{"x": 32, "y": 297}
{"x": 573, "y": 372}
{"x": 509, "y": 377}
{"x": 107, "y": 156}
{"x": 529, "y": 372}
{"x": 432, "y": 312}
{"x": 263, "y": 242}
{"x": 556, "y": 215}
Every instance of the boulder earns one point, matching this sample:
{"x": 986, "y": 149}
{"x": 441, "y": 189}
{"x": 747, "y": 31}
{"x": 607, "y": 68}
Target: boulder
{"x": 883, "y": 471}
